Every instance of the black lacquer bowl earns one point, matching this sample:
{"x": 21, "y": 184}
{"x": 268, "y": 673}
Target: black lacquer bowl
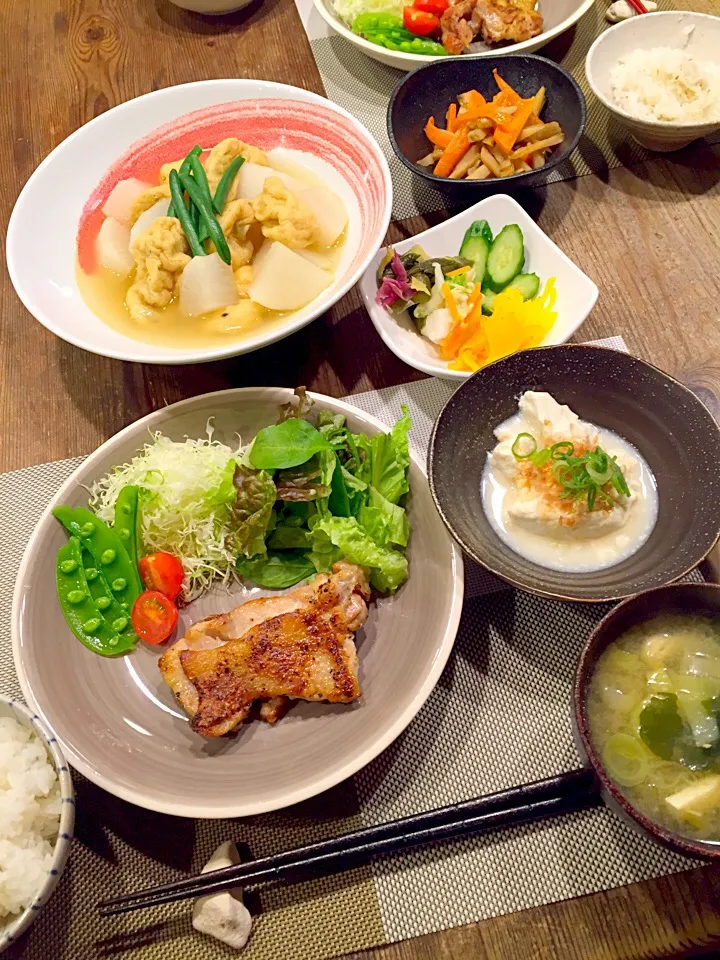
{"x": 430, "y": 90}
{"x": 666, "y": 422}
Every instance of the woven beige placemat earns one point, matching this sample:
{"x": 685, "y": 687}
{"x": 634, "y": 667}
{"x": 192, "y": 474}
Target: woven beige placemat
{"x": 363, "y": 87}
{"x": 498, "y": 717}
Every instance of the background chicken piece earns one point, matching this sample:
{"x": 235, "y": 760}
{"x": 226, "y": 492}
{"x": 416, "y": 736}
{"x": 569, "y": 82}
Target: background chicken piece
{"x": 223, "y": 154}
{"x": 493, "y": 20}
{"x": 297, "y": 645}
{"x": 283, "y": 217}
{"x": 234, "y": 222}
{"x": 161, "y": 254}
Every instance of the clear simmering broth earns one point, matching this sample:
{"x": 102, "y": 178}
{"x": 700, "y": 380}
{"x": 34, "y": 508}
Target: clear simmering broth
{"x": 654, "y": 717}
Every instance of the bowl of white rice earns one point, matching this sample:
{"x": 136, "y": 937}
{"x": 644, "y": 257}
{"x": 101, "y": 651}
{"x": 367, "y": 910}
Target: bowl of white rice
{"x": 659, "y": 75}
{"x": 37, "y": 814}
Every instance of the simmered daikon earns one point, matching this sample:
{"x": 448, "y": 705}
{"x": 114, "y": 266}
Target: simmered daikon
{"x": 283, "y": 280}
{"x": 113, "y": 246}
{"x": 122, "y": 196}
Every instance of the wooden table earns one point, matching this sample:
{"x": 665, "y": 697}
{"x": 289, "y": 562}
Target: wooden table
{"x": 648, "y": 236}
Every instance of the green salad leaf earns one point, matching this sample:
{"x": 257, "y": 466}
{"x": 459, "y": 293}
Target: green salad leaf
{"x": 277, "y": 571}
{"x": 286, "y": 444}
{"x": 387, "y": 458}
{"x": 389, "y": 567}
{"x": 252, "y": 509}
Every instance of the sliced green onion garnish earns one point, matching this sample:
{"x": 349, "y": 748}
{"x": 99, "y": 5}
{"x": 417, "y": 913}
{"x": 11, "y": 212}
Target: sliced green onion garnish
{"x": 540, "y": 456}
{"x": 527, "y": 438}
{"x": 597, "y": 476}
{"x": 561, "y": 450}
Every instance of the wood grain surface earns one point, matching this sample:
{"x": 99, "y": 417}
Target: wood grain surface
{"x": 648, "y": 236}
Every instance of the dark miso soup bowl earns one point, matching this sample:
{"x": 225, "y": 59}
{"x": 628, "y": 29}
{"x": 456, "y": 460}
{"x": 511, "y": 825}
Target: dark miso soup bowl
{"x": 662, "y": 419}
{"x": 430, "y": 90}
{"x": 692, "y": 598}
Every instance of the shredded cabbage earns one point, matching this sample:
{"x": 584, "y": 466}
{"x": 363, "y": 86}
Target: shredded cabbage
{"x": 348, "y": 10}
{"x": 186, "y": 495}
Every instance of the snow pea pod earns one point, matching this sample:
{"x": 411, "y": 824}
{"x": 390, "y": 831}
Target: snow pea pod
{"x": 387, "y": 30}
{"x": 107, "y": 550}
{"x": 80, "y": 610}
{"x": 115, "y": 614}
{"x": 127, "y": 521}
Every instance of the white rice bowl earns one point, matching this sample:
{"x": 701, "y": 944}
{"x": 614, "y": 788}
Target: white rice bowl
{"x": 36, "y": 817}
{"x": 667, "y": 84}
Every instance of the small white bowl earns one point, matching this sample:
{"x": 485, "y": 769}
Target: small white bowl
{"x": 559, "y": 16}
{"x": 11, "y": 930}
{"x": 159, "y": 126}
{"x": 576, "y": 293}
{"x": 212, "y": 8}
{"x": 698, "y": 33}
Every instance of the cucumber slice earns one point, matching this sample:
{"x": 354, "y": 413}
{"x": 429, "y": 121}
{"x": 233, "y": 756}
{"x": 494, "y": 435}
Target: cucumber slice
{"x": 476, "y": 247}
{"x": 506, "y": 258}
{"x": 527, "y": 283}
{"x": 487, "y": 304}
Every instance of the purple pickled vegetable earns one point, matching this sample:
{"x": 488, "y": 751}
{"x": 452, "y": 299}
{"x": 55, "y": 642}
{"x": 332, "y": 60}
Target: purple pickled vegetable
{"x": 395, "y": 288}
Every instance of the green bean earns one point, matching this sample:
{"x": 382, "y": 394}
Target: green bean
{"x": 107, "y": 550}
{"x": 184, "y": 167}
{"x": 215, "y": 231}
{"x": 223, "y": 188}
{"x": 126, "y": 524}
{"x": 200, "y": 177}
{"x": 222, "y": 191}
{"x": 176, "y": 185}
{"x": 81, "y": 611}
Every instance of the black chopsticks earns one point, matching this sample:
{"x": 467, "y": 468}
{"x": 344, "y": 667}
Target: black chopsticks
{"x": 534, "y": 801}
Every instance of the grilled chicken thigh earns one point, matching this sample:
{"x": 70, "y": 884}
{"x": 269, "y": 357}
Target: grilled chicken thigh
{"x": 494, "y": 21}
{"x": 298, "y": 646}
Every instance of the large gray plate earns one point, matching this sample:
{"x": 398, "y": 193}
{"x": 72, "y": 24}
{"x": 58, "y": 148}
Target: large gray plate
{"x": 119, "y": 724}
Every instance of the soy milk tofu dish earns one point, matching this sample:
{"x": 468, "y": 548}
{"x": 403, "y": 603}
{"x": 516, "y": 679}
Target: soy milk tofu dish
{"x": 224, "y": 241}
{"x": 566, "y": 494}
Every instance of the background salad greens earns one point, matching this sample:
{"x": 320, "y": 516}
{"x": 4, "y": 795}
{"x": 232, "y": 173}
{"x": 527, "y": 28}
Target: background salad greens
{"x": 309, "y": 494}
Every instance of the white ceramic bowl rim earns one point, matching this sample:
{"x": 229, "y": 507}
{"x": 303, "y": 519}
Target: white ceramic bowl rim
{"x": 645, "y": 121}
{"x": 12, "y": 930}
{"x": 226, "y": 350}
{"x": 350, "y": 767}
{"x": 337, "y": 24}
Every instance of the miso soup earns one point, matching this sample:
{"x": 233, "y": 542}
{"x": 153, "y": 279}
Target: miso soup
{"x": 654, "y": 717}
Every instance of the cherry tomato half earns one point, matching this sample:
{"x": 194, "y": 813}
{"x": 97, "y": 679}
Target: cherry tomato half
{"x": 438, "y": 7}
{"x": 420, "y": 23}
{"x": 153, "y": 616}
{"x": 162, "y": 572}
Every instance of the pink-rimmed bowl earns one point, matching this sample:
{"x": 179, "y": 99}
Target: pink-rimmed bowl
{"x": 61, "y": 201}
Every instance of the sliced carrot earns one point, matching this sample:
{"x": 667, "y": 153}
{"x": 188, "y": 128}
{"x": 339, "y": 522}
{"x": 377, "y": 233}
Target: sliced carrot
{"x": 451, "y": 303}
{"x": 455, "y": 151}
{"x": 458, "y": 273}
{"x": 505, "y": 88}
{"x": 488, "y": 110}
{"x": 476, "y": 292}
{"x": 436, "y": 135}
{"x": 462, "y": 332}
{"x": 451, "y": 116}
{"x": 506, "y": 136}
{"x": 476, "y": 99}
